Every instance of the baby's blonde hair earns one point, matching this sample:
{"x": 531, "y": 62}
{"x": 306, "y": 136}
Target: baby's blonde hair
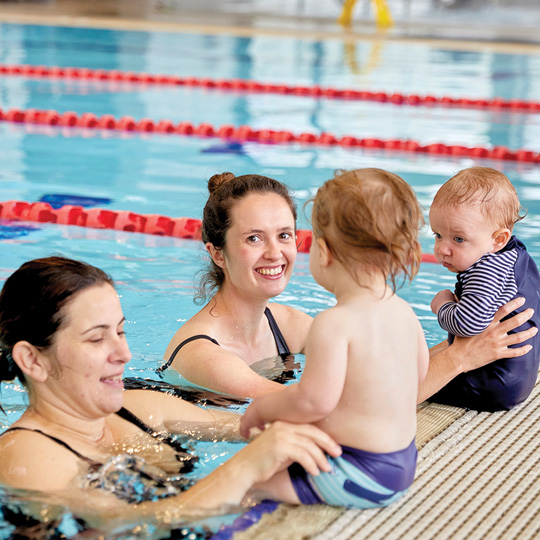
{"x": 370, "y": 217}
{"x": 486, "y": 188}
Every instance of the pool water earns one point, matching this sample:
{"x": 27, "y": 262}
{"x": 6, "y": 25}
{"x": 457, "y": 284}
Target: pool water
{"x": 167, "y": 174}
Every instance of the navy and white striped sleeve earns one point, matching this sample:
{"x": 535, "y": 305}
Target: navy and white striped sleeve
{"x": 487, "y": 285}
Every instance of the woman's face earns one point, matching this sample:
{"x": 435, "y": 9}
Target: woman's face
{"x": 89, "y": 354}
{"x": 260, "y": 245}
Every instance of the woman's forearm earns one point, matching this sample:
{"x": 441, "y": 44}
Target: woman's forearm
{"x": 444, "y": 365}
{"x": 222, "y": 426}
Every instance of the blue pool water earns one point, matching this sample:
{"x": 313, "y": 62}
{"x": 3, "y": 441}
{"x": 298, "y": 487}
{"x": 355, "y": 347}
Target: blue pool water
{"x": 166, "y": 174}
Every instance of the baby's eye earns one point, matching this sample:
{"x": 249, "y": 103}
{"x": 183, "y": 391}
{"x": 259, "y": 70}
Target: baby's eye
{"x": 458, "y": 240}
{"x": 437, "y": 235}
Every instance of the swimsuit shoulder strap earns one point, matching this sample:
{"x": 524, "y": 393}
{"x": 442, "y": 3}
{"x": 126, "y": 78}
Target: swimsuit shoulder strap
{"x": 185, "y": 342}
{"x": 282, "y": 347}
{"x": 132, "y": 419}
{"x": 167, "y": 439}
{"x": 56, "y": 440}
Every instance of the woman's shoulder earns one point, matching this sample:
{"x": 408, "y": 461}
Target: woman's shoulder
{"x": 31, "y": 460}
{"x": 293, "y": 324}
{"x": 288, "y": 313}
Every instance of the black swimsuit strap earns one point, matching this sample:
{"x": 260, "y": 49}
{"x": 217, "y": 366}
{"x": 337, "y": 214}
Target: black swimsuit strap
{"x": 185, "y": 342}
{"x": 132, "y": 419}
{"x": 283, "y": 349}
{"x": 281, "y": 344}
{"x": 56, "y": 440}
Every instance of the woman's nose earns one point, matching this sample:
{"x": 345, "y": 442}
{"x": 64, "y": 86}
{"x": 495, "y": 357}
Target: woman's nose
{"x": 272, "y": 250}
{"x": 122, "y": 352}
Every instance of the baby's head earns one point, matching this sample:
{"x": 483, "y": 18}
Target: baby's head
{"x": 369, "y": 219}
{"x": 472, "y": 214}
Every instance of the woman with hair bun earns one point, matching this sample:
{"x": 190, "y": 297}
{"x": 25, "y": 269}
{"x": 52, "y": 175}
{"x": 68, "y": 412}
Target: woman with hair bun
{"x": 249, "y": 230}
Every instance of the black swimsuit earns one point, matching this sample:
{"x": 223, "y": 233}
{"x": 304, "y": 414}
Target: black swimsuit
{"x": 187, "y": 465}
{"x": 283, "y": 349}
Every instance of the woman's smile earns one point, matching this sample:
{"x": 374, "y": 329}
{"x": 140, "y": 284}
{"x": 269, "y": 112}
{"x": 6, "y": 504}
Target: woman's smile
{"x": 271, "y": 271}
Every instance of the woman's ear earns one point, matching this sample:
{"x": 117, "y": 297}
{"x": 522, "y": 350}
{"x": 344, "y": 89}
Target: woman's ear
{"x": 325, "y": 256}
{"x": 216, "y": 254}
{"x": 500, "y": 239}
{"x": 31, "y": 361}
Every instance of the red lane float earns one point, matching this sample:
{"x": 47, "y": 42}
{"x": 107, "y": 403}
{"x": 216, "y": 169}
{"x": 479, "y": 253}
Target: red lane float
{"x": 239, "y": 85}
{"x": 90, "y": 121}
{"x": 124, "y": 220}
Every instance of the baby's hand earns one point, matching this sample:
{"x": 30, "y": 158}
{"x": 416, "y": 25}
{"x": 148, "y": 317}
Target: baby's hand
{"x": 251, "y": 419}
{"x": 441, "y": 298}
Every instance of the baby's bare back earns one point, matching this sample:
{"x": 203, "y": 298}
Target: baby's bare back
{"x": 377, "y": 408}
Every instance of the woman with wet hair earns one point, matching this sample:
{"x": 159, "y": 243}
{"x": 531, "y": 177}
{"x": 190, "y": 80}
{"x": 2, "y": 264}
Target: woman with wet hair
{"x": 85, "y": 439}
{"x": 249, "y": 231}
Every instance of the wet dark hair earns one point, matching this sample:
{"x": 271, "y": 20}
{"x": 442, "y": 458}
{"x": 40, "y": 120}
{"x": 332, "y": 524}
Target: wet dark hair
{"x": 32, "y": 302}
{"x": 225, "y": 190}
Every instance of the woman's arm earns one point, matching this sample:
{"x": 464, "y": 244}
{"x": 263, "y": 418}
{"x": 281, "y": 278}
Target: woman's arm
{"x": 466, "y": 354}
{"x": 164, "y": 412}
{"x": 271, "y": 452}
{"x": 205, "y": 364}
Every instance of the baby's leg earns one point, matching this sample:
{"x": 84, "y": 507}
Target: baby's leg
{"x": 279, "y": 488}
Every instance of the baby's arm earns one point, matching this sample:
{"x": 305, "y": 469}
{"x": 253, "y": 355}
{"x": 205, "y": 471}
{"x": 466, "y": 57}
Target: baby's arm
{"x": 441, "y": 298}
{"x": 486, "y": 286}
{"x": 319, "y": 390}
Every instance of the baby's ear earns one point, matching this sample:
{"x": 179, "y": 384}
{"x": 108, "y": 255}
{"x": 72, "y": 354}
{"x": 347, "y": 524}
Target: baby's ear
{"x": 500, "y": 239}
{"x": 324, "y": 253}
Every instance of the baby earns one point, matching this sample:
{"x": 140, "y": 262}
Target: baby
{"x": 472, "y": 217}
{"x": 366, "y": 355}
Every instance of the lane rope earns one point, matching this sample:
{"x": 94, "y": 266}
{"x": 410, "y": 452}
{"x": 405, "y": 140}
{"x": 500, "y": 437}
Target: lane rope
{"x": 245, "y": 133}
{"x": 124, "y": 220}
{"x": 243, "y": 85}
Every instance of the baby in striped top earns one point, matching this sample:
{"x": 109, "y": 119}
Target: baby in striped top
{"x": 472, "y": 217}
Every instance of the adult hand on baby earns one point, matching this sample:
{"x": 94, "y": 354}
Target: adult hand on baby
{"x": 283, "y": 444}
{"x": 493, "y": 343}
{"x": 441, "y": 298}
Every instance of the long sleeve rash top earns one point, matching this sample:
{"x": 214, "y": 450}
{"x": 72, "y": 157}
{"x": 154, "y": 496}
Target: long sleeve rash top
{"x": 482, "y": 289}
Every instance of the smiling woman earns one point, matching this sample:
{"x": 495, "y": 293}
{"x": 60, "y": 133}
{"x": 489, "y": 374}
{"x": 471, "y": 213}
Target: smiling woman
{"x": 61, "y": 334}
{"x": 248, "y": 228}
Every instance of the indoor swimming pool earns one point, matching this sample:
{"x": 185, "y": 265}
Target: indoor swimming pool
{"x": 166, "y": 174}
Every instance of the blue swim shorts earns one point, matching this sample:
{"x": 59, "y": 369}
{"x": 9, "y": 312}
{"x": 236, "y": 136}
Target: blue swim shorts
{"x": 358, "y": 479}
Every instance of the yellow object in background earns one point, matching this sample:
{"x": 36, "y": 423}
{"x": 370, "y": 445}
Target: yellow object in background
{"x": 383, "y": 17}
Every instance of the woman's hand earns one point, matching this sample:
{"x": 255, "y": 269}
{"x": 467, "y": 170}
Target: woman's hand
{"x": 493, "y": 343}
{"x": 466, "y": 354}
{"x": 282, "y": 444}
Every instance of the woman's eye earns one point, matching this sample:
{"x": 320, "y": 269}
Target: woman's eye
{"x": 458, "y": 240}
{"x": 253, "y": 239}
{"x": 96, "y": 340}
{"x": 285, "y": 235}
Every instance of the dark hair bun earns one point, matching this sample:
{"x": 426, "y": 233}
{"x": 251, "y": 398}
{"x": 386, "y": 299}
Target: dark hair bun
{"x": 218, "y": 180}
